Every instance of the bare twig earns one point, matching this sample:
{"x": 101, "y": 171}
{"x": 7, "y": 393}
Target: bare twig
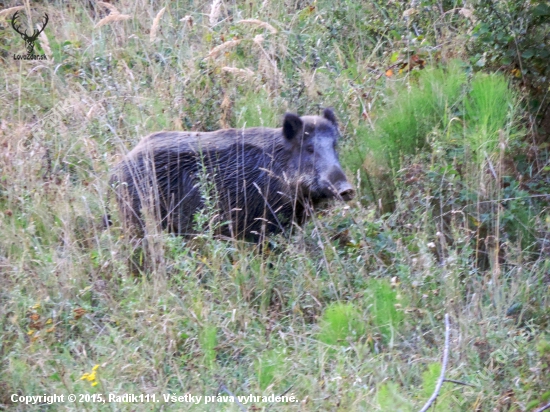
{"x": 285, "y": 392}
{"x": 459, "y": 382}
{"x": 544, "y": 408}
{"x": 443, "y": 366}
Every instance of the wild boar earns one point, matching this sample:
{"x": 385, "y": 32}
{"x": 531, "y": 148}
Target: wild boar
{"x": 261, "y": 179}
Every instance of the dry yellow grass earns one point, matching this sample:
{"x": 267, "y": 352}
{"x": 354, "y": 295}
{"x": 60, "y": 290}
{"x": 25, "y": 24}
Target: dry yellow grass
{"x": 45, "y": 44}
{"x": 226, "y": 106}
{"x": 127, "y": 70}
{"x": 469, "y": 14}
{"x": 259, "y": 23}
{"x": 113, "y": 16}
{"x": 187, "y": 20}
{"x": 156, "y": 23}
{"x": 7, "y": 12}
{"x": 222, "y": 47}
{"x": 235, "y": 70}
{"x": 108, "y": 6}
{"x": 258, "y": 39}
{"x": 215, "y": 12}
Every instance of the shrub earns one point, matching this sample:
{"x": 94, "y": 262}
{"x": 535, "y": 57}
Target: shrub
{"x": 341, "y": 322}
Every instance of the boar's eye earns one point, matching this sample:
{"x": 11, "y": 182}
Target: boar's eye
{"x": 310, "y": 149}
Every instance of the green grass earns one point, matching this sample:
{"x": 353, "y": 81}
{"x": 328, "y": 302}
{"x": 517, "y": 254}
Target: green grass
{"x": 208, "y": 342}
{"x": 429, "y": 381}
{"x": 412, "y": 110}
{"x": 385, "y": 304}
{"x": 344, "y": 314}
{"x": 341, "y": 323}
{"x": 256, "y": 109}
{"x": 491, "y": 107}
{"x": 269, "y": 365}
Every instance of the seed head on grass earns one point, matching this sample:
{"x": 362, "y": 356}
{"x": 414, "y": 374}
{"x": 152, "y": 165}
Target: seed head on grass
{"x": 9, "y": 11}
{"x": 259, "y": 23}
{"x": 108, "y": 6}
{"x": 236, "y": 71}
{"x": 113, "y": 16}
{"x": 156, "y": 23}
{"x": 45, "y": 44}
{"x": 187, "y": 20}
{"x": 258, "y": 39}
{"x": 215, "y": 11}
{"x": 222, "y": 47}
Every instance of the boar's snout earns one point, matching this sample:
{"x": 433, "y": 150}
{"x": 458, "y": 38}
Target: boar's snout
{"x": 339, "y": 186}
{"x": 346, "y": 191}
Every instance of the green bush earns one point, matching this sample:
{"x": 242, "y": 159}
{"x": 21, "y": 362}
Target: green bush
{"x": 208, "y": 339}
{"x": 429, "y": 380}
{"x": 383, "y": 300}
{"x": 514, "y": 35}
{"x": 491, "y": 106}
{"x": 341, "y": 322}
{"x": 412, "y": 111}
{"x": 269, "y": 365}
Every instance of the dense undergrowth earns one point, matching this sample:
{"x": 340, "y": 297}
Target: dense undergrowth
{"x": 345, "y": 313}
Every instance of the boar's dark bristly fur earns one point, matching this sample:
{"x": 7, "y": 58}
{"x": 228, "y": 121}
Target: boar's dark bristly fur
{"x": 262, "y": 178}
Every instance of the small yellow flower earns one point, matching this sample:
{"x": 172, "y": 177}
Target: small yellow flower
{"x": 91, "y": 377}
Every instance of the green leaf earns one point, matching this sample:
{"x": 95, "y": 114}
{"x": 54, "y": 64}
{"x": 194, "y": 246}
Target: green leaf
{"x": 55, "y": 377}
{"x": 527, "y": 54}
{"x": 395, "y": 34}
{"x": 541, "y": 10}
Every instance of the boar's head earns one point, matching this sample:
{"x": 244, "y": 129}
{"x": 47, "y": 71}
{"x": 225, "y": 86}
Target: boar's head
{"x": 314, "y": 164}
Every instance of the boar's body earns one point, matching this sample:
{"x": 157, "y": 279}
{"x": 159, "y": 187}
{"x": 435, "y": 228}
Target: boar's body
{"x": 261, "y": 178}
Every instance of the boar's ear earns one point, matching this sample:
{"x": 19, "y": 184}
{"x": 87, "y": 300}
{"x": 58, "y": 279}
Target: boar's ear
{"x": 329, "y": 115}
{"x": 292, "y": 126}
